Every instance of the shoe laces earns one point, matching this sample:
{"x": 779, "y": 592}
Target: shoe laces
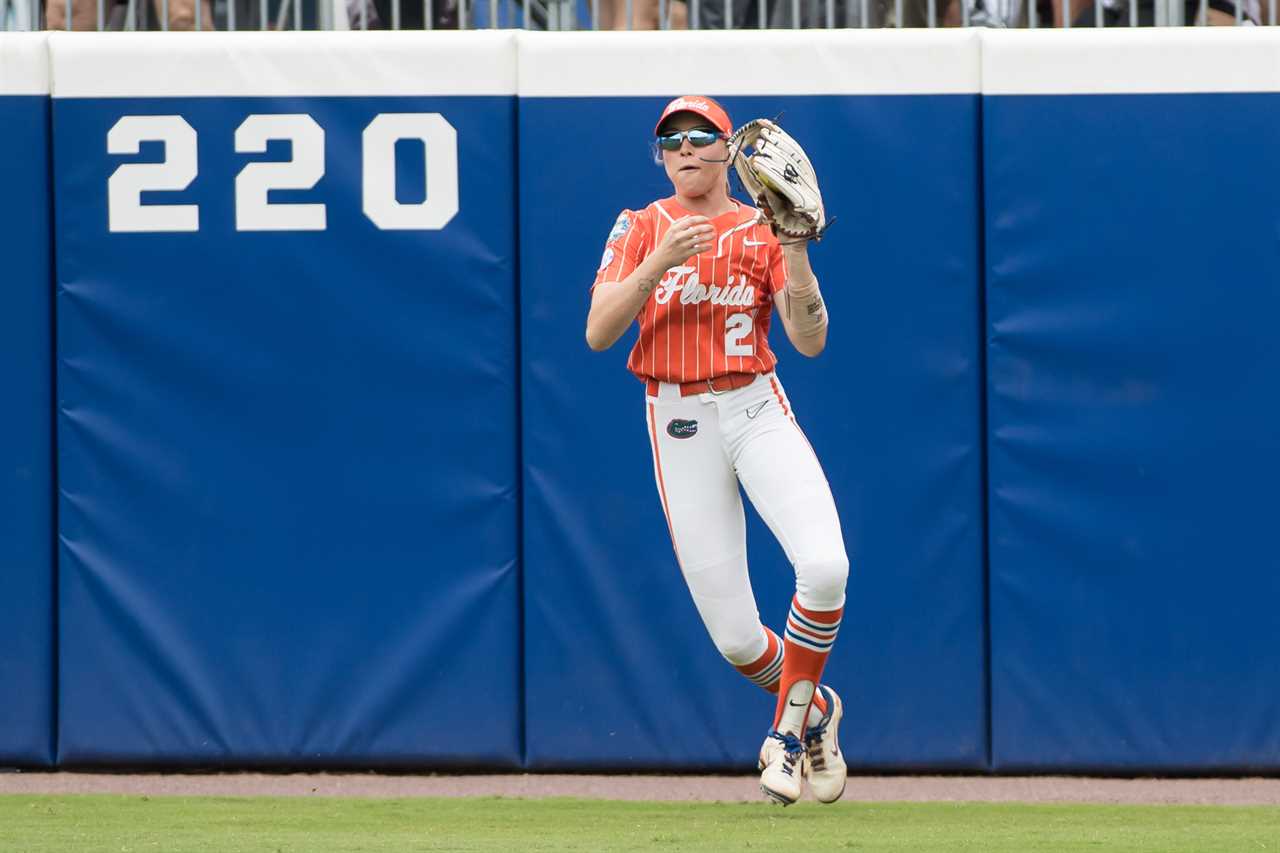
{"x": 793, "y": 751}
{"x": 817, "y": 760}
{"x": 814, "y": 734}
{"x": 813, "y": 742}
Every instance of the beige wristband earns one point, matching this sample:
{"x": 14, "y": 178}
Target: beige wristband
{"x": 806, "y": 309}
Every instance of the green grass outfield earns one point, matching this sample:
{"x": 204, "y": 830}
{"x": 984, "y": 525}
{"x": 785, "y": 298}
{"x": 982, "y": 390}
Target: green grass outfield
{"x": 71, "y": 824}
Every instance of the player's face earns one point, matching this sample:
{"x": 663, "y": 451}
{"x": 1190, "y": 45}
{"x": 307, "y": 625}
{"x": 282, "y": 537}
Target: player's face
{"x": 687, "y": 167}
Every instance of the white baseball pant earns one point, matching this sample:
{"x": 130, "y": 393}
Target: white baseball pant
{"x": 748, "y": 436}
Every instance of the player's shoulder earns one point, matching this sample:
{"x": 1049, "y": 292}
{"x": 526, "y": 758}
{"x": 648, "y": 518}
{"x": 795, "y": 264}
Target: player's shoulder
{"x": 629, "y": 219}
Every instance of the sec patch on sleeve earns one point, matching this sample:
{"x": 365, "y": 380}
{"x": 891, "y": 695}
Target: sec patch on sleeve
{"x": 606, "y": 258}
{"x": 621, "y": 227}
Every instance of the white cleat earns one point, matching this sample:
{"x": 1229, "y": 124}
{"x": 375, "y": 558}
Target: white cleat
{"x": 782, "y": 767}
{"x": 826, "y": 769}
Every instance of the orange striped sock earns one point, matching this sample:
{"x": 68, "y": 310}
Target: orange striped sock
{"x": 766, "y": 672}
{"x": 808, "y": 640}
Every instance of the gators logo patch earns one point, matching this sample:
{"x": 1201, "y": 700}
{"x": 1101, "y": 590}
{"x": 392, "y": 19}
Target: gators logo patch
{"x": 621, "y": 227}
{"x": 679, "y": 428}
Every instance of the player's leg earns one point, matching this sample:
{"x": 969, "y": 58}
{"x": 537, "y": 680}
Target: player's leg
{"x": 704, "y": 512}
{"x": 699, "y": 492}
{"x": 786, "y": 484}
{"x": 700, "y": 497}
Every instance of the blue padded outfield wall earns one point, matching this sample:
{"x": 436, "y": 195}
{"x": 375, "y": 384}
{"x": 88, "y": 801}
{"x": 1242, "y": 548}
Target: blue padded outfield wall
{"x": 1133, "y": 286}
{"x": 339, "y": 483}
{"x": 287, "y": 460}
{"x": 614, "y": 650}
{"x": 26, "y": 389}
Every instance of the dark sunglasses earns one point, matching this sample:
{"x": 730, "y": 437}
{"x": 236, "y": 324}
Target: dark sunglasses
{"x": 697, "y": 138}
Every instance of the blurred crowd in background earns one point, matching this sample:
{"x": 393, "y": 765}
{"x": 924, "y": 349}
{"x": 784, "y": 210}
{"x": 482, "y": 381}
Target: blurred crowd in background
{"x": 621, "y": 14}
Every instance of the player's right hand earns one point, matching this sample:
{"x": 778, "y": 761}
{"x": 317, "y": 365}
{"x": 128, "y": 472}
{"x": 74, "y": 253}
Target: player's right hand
{"x": 687, "y": 236}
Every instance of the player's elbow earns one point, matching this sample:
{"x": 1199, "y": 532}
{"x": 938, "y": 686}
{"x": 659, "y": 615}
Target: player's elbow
{"x": 812, "y": 350}
{"x": 596, "y": 340}
{"x": 812, "y": 346}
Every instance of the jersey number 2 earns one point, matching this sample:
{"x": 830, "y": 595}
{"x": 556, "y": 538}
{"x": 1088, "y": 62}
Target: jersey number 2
{"x": 737, "y": 327}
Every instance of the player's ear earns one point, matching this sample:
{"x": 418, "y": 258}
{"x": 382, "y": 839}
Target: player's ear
{"x": 656, "y": 152}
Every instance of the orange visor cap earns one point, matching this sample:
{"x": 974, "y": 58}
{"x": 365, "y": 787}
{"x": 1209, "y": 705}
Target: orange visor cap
{"x": 700, "y": 105}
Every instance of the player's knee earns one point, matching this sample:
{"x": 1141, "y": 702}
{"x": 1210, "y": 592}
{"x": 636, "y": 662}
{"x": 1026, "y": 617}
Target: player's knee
{"x": 821, "y": 580}
{"x": 740, "y": 647}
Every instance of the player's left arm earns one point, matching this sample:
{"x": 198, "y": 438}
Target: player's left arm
{"x": 800, "y": 303}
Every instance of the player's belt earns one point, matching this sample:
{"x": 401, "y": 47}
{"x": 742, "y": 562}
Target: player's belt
{"x": 714, "y": 385}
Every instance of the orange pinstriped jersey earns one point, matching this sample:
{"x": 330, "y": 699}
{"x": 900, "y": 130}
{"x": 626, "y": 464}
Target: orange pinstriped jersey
{"x": 711, "y": 315}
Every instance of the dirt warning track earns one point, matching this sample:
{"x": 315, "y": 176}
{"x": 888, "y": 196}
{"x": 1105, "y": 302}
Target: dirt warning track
{"x": 1035, "y": 789}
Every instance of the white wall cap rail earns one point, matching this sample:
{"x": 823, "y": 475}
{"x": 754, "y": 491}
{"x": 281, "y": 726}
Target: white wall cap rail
{"x": 1122, "y": 61}
{"x": 750, "y": 62}
{"x": 24, "y": 64}
{"x": 274, "y": 64}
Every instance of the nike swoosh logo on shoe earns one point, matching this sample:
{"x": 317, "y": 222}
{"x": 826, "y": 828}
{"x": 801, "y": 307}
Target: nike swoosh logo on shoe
{"x": 752, "y": 411}
{"x": 796, "y": 704}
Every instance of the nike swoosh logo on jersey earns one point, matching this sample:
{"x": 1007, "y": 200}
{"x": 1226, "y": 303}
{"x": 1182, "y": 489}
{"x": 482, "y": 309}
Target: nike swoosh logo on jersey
{"x": 752, "y": 411}
{"x": 797, "y": 704}
{"x": 747, "y": 241}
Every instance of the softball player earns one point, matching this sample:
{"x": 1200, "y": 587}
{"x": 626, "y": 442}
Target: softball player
{"x": 701, "y": 272}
